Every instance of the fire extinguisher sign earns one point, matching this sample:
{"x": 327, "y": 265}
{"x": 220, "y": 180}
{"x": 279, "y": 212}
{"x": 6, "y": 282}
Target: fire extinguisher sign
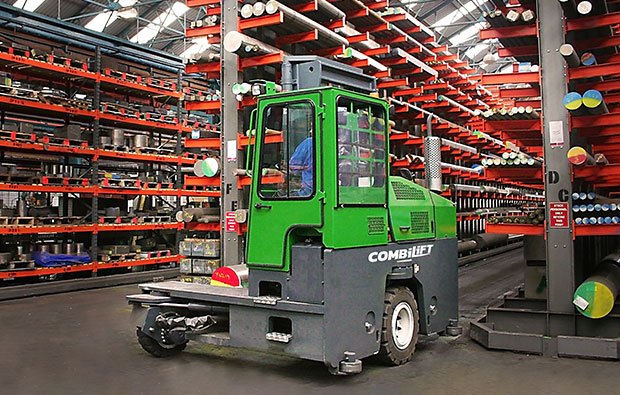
{"x": 558, "y": 215}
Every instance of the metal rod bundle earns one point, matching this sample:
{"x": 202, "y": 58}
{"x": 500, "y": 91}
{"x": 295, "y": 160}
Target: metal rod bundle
{"x": 514, "y": 113}
{"x": 295, "y": 17}
{"x": 510, "y": 161}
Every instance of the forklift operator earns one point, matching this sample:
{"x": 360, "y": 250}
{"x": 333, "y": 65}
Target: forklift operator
{"x": 302, "y": 162}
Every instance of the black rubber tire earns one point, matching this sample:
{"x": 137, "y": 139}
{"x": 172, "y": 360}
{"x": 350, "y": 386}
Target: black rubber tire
{"x": 151, "y": 346}
{"x": 389, "y": 353}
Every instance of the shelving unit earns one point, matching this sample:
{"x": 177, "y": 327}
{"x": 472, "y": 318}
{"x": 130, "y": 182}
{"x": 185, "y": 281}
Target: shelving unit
{"x": 551, "y": 322}
{"x": 74, "y": 175}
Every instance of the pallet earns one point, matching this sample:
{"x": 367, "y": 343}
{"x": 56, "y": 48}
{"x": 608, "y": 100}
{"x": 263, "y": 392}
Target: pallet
{"x": 155, "y": 254}
{"x": 64, "y": 61}
{"x": 123, "y": 76}
{"x": 62, "y": 141}
{"x": 158, "y": 185}
{"x": 17, "y": 265}
{"x": 63, "y": 101}
{"x": 119, "y": 183}
{"x": 4, "y": 221}
{"x": 21, "y": 221}
{"x": 112, "y": 147}
{"x": 17, "y": 136}
{"x": 57, "y": 220}
{"x": 64, "y": 181}
{"x": 152, "y": 219}
{"x": 150, "y": 116}
{"x": 117, "y": 220}
{"x": 153, "y": 151}
{"x": 16, "y": 50}
{"x": 116, "y": 257}
{"x": 15, "y": 179}
{"x": 117, "y": 109}
{"x": 200, "y": 188}
{"x": 157, "y": 83}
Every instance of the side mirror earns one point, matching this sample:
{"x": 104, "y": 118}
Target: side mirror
{"x": 392, "y": 111}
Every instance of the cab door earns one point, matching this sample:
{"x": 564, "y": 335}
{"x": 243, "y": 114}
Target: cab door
{"x": 286, "y": 198}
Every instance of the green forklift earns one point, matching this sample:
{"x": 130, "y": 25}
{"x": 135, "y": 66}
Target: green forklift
{"x": 344, "y": 261}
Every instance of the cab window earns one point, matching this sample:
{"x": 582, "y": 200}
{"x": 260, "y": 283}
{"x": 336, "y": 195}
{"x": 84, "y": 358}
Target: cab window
{"x": 361, "y": 133}
{"x": 288, "y": 168}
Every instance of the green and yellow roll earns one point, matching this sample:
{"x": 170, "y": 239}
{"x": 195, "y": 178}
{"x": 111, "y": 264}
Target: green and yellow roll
{"x": 595, "y": 297}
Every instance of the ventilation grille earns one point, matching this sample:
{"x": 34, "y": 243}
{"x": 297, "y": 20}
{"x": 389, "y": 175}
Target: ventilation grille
{"x": 406, "y": 192}
{"x": 376, "y": 225}
{"x": 419, "y": 222}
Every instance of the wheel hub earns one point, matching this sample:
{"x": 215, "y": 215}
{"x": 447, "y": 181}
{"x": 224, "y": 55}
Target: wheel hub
{"x": 402, "y": 325}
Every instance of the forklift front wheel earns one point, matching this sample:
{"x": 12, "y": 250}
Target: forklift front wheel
{"x": 401, "y": 326}
{"x": 156, "y": 349}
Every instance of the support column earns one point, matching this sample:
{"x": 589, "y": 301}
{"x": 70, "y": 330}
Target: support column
{"x": 558, "y": 188}
{"x": 94, "y": 247}
{"x": 232, "y": 251}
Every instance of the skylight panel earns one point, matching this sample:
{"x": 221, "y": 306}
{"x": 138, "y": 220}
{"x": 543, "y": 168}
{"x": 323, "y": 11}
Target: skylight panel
{"x": 28, "y": 5}
{"x": 466, "y": 34}
{"x": 102, "y": 21}
{"x": 164, "y": 19}
{"x": 457, "y": 15}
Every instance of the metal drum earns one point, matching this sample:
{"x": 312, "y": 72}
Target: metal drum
{"x": 140, "y": 141}
{"x": 56, "y": 248}
{"x": 5, "y": 257}
{"x": 80, "y": 248}
{"x": 113, "y": 212}
{"x": 105, "y": 140}
{"x": 43, "y": 247}
{"x": 118, "y": 137}
{"x": 69, "y": 249}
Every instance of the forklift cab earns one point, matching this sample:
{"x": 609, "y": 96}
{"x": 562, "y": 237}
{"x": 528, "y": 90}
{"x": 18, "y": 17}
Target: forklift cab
{"x": 320, "y": 173}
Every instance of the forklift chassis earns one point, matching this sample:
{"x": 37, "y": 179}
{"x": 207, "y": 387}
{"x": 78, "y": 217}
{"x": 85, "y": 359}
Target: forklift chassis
{"x": 330, "y": 309}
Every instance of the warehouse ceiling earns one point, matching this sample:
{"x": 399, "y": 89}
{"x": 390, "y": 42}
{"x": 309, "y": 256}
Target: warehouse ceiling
{"x": 160, "y": 23}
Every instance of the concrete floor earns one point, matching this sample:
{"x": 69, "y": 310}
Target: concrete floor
{"x": 84, "y": 343}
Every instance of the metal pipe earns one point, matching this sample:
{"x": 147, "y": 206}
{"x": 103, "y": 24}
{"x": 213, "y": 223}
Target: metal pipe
{"x": 569, "y": 7}
{"x": 570, "y": 55}
{"x": 294, "y": 16}
{"x": 594, "y": 102}
{"x": 458, "y": 105}
{"x": 596, "y": 296}
{"x": 459, "y": 146}
{"x": 432, "y": 158}
{"x": 579, "y": 156}
{"x": 467, "y": 245}
{"x": 236, "y": 42}
{"x": 330, "y": 9}
{"x": 478, "y": 134}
